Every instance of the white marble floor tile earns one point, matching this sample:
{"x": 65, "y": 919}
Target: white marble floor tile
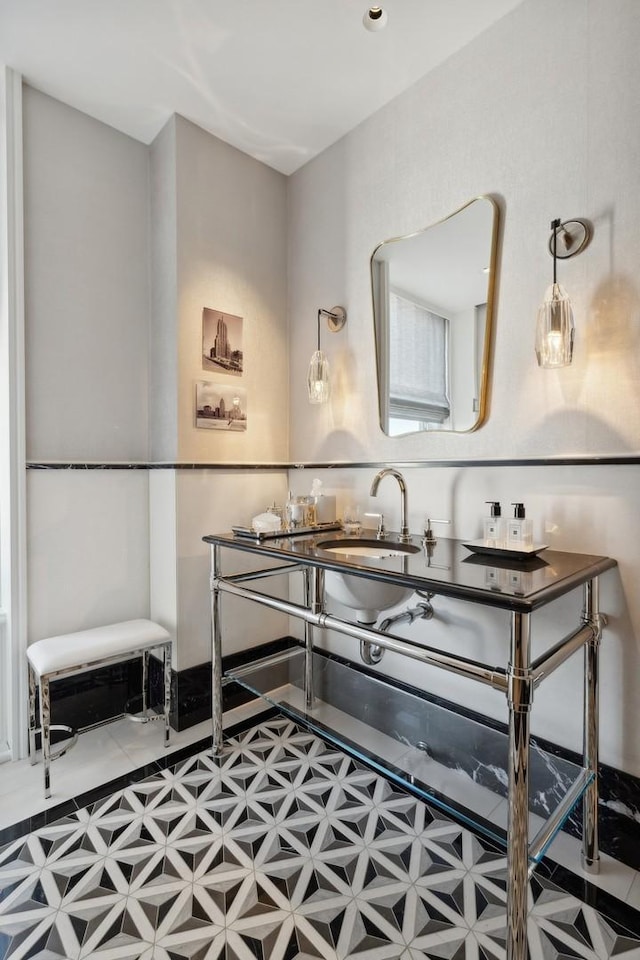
{"x": 100, "y": 755}
{"x": 207, "y": 854}
{"x": 144, "y": 742}
{"x": 95, "y": 759}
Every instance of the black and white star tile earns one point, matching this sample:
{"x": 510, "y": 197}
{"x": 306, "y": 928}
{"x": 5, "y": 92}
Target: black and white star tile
{"x": 283, "y": 849}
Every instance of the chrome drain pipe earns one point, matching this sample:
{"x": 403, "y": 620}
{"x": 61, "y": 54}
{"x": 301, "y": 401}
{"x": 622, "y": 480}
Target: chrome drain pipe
{"x": 372, "y": 653}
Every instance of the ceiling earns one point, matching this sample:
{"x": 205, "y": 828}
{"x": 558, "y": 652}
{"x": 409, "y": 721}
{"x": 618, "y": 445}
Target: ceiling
{"x": 279, "y": 79}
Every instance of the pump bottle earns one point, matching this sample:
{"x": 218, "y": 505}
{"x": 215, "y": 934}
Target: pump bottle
{"x": 494, "y": 534}
{"x": 519, "y": 529}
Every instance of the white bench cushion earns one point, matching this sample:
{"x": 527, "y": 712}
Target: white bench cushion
{"x": 86, "y": 646}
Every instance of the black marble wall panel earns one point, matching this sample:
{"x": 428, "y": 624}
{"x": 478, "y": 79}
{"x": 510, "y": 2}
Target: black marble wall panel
{"x": 463, "y": 740}
{"x": 96, "y": 695}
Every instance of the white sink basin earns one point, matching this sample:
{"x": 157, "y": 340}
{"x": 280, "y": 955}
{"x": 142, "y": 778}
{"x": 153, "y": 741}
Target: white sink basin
{"x": 366, "y": 597}
{"x": 376, "y": 549}
{"x": 378, "y": 553}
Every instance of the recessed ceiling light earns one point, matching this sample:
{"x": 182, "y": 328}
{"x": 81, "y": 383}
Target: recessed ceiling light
{"x": 375, "y": 18}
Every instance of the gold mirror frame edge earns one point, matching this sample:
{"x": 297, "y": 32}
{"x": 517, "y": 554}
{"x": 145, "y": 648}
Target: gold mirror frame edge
{"x": 487, "y": 354}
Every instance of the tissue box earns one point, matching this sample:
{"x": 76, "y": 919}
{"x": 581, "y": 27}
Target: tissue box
{"x": 266, "y": 523}
{"x": 325, "y": 509}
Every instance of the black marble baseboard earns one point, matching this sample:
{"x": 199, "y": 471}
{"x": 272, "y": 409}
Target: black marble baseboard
{"x": 586, "y": 459}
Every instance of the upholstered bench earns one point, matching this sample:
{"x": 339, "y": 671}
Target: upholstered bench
{"x": 73, "y": 653}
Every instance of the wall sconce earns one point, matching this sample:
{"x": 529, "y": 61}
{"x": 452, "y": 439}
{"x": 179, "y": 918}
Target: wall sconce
{"x": 318, "y": 379}
{"x": 555, "y": 328}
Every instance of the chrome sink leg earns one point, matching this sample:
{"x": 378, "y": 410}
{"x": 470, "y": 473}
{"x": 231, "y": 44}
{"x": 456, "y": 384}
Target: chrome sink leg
{"x": 520, "y": 692}
{"x": 314, "y": 601}
{"x": 216, "y": 653}
{"x": 590, "y": 853}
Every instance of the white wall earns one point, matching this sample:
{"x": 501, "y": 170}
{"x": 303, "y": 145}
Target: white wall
{"x": 87, "y": 286}
{"x": 100, "y": 549}
{"x": 221, "y": 217}
{"x": 540, "y": 112}
{"x": 87, "y": 314}
{"x": 185, "y": 506}
{"x": 210, "y": 503}
{"x": 88, "y": 549}
{"x": 232, "y": 258}
{"x": 163, "y": 325}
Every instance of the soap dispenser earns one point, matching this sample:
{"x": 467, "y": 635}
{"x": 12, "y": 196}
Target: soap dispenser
{"x": 494, "y": 535}
{"x": 519, "y": 529}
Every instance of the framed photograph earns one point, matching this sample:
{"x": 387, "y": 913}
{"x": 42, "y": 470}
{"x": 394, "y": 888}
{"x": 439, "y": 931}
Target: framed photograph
{"x": 220, "y": 406}
{"x": 221, "y": 342}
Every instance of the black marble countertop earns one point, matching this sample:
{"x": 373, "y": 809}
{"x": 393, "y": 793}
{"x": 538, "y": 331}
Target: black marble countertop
{"x": 447, "y": 568}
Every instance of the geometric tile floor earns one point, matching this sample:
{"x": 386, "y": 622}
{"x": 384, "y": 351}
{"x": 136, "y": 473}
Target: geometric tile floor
{"x": 283, "y": 849}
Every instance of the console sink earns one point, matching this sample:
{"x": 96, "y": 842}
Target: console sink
{"x": 366, "y": 597}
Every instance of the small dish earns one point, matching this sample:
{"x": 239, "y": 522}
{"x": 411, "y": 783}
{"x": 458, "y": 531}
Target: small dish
{"x": 522, "y": 553}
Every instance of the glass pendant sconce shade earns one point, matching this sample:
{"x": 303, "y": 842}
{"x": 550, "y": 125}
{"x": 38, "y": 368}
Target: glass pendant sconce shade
{"x": 318, "y": 377}
{"x": 318, "y": 381}
{"x": 555, "y": 329}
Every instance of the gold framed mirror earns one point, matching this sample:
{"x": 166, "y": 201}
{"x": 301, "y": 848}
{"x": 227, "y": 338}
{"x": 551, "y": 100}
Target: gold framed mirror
{"x": 433, "y": 305}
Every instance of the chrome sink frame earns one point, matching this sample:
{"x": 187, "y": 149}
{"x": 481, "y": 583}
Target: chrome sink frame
{"x": 517, "y": 681}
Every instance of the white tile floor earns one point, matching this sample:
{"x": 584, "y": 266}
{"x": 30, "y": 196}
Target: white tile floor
{"x": 284, "y": 847}
{"x": 121, "y": 747}
{"x": 99, "y": 756}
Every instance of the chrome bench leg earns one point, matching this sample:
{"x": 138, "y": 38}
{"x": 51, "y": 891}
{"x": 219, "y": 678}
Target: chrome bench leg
{"x": 167, "y": 691}
{"x": 145, "y": 681}
{"x": 33, "y": 723}
{"x": 45, "y": 728}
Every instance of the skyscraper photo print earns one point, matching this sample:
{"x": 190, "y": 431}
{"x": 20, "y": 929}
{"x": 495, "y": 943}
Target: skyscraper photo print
{"x": 221, "y": 342}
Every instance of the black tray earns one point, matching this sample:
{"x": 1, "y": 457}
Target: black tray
{"x": 507, "y": 553}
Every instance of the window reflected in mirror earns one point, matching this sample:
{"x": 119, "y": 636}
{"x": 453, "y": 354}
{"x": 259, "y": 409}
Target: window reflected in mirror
{"x": 433, "y": 304}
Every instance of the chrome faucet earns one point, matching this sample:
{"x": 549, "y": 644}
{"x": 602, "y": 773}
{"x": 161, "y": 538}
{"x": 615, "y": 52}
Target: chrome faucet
{"x": 390, "y": 472}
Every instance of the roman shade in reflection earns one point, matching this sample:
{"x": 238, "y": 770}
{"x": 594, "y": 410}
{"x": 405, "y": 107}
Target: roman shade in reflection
{"x": 418, "y": 367}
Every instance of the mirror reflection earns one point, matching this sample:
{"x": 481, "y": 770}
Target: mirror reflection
{"x": 432, "y": 305}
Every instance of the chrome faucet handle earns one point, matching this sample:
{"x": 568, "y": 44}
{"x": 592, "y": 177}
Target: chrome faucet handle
{"x": 380, "y": 532}
{"x": 429, "y": 535}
